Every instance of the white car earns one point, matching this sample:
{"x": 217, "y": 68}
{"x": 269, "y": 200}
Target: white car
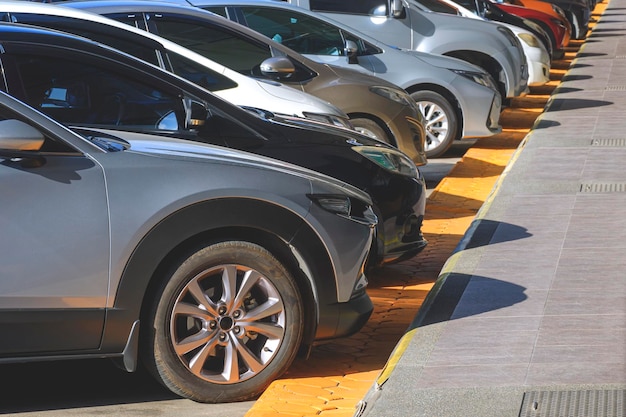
{"x": 537, "y": 56}
{"x": 226, "y": 83}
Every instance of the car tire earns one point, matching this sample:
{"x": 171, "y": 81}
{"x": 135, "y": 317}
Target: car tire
{"x": 440, "y": 122}
{"x": 370, "y": 128}
{"x": 227, "y": 321}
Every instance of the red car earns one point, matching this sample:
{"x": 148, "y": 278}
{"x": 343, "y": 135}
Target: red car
{"x": 557, "y": 27}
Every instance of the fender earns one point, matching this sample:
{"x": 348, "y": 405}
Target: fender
{"x": 254, "y": 220}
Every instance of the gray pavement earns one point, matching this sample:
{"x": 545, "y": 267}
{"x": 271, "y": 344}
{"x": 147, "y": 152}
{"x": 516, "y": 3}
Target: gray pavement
{"x": 528, "y": 316}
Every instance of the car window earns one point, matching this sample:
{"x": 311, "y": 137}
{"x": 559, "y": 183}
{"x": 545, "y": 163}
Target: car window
{"x": 438, "y": 6}
{"x": 199, "y": 74}
{"x": 302, "y": 33}
{"x": 221, "y": 10}
{"x": 299, "y": 32}
{"x": 219, "y": 45}
{"x": 146, "y": 50}
{"x": 74, "y": 92}
{"x": 363, "y": 7}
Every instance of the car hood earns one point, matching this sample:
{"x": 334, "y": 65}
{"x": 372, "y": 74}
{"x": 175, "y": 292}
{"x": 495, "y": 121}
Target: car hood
{"x": 169, "y": 147}
{"x": 327, "y": 134}
{"x": 306, "y": 101}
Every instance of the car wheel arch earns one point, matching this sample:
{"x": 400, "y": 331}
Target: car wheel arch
{"x": 488, "y": 63}
{"x": 448, "y": 95}
{"x": 188, "y": 228}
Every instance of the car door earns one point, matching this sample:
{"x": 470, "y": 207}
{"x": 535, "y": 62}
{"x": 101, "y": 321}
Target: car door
{"x": 54, "y": 251}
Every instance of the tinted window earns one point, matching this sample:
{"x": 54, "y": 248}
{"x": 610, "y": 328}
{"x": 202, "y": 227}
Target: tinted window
{"x": 212, "y": 42}
{"x": 217, "y": 10}
{"x": 296, "y": 31}
{"x": 302, "y": 33}
{"x": 132, "y": 45}
{"x": 437, "y": 6}
{"x": 74, "y": 92}
{"x": 366, "y": 7}
{"x": 199, "y": 74}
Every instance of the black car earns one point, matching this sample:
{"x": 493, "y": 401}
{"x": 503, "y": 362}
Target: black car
{"x": 79, "y": 82}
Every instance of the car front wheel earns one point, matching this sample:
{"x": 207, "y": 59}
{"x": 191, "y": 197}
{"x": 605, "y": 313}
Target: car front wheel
{"x": 440, "y": 121}
{"x": 227, "y": 321}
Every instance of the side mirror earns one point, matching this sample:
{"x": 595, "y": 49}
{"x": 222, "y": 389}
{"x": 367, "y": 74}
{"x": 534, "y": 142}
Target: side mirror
{"x": 397, "y": 9}
{"x": 277, "y": 67}
{"x": 19, "y": 136}
{"x": 352, "y": 52}
{"x": 20, "y": 142}
{"x": 197, "y": 114}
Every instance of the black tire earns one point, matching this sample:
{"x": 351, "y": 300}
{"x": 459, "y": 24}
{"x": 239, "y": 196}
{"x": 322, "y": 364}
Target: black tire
{"x": 227, "y": 321}
{"x": 440, "y": 122}
{"x": 370, "y": 128}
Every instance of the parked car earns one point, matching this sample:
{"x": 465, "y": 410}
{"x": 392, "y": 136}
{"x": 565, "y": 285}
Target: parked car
{"x": 490, "y": 11}
{"x": 555, "y": 24}
{"x": 537, "y": 56}
{"x": 210, "y": 266}
{"x": 408, "y": 25}
{"x": 575, "y": 11}
{"x": 226, "y": 83}
{"x": 376, "y": 107}
{"x": 78, "y": 82}
{"x": 457, "y": 99}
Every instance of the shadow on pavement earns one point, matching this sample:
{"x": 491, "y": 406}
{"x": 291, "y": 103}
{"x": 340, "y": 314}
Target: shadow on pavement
{"x": 488, "y": 294}
{"x": 29, "y": 387}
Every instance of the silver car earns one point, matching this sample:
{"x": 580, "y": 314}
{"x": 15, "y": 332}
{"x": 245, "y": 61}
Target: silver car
{"x": 376, "y": 107}
{"x": 457, "y": 99}
{"x": 209, "y": 265}
{"x": 407, "y": 24}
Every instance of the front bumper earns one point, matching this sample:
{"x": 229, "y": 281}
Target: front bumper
{"x": 480, "y": 108}
{"x": 399, "y": 231}
{"x": 408, "y": 131}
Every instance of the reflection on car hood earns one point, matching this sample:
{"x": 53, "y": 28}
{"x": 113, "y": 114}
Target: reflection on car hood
{"x": 303, "y": 99}
{"x": 328, "y": 132}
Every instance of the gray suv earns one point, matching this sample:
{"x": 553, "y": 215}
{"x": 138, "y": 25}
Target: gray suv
{"x": 210, "y": 266}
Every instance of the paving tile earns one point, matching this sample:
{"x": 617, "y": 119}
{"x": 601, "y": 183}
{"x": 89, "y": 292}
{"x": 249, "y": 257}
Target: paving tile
{"x": 471, "y": 376}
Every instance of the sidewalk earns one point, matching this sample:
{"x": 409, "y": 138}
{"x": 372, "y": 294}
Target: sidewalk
{"x": 528, "y": 316}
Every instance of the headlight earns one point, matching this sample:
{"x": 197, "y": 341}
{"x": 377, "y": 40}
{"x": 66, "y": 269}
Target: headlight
{"x": 509, "y": 35}
{"x": 395, "y": 94}
{"x": 529, "y": 39}
{"x": 330, "y": 119}
{"x": 481, "y": 78}
{"x": 389, "y": 159}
